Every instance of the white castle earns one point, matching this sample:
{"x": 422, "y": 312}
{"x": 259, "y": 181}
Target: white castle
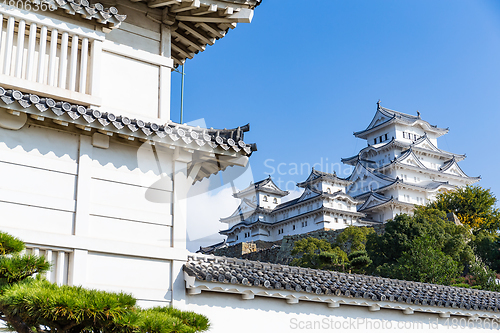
{"x": 401, "y": 167}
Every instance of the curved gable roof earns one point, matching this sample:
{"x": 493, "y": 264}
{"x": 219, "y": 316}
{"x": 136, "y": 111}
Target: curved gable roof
{"x": 361, "y": 168}
{"x": 409, "y": 157}
{"x": 385, "y": 116}
{"x": 266, "y": 186}
{"x": 425, "y": 144}
{"x": 317, "y": 176}
{"x": 451, "y": 166}
{"x": 373, "y": 200}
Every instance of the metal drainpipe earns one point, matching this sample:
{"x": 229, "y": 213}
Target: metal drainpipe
{"x": 182, "y": 94}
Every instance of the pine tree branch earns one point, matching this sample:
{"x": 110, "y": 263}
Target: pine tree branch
{"x": 16, "y": 322}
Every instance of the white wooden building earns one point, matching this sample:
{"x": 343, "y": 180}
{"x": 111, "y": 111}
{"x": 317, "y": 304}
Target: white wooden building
{"x": 323, "y": 205}
{"x": 402, "y": 165}
{"x": 93, "y": 174}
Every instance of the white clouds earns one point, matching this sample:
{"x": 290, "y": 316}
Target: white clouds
{"x": 204, "y": 212}
{"x": 210, "y": 200}
{"x": 295, "y": 193}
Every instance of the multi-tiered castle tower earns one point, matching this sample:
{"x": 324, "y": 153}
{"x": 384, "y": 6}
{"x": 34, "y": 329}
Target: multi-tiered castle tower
{"x": 402, "y": 165}
{"x": 322, "y": 205}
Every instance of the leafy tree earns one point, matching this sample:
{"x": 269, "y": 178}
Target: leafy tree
{"x": 359, "y": 261}
{"x": 482, "y": 277}
{"x": 319, "y": 254}
{"x": 427, "y": 247}
{"x": 29, "y": 305}
{"x": 354, "y": 238}
{"x": 473, "y": 205}
{"x": 401, "y": 232}
{"x": 487, "y": 247}
{"x": 423, "y": 262}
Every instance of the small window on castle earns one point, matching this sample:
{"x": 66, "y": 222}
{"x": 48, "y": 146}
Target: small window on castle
{"x": 385, "y": 136}
{"x": 236, "y": 237}
{"x": 293, "y": 227}
{"x": 275, "y": 200}
{"x": 336, "y": 220}
{"x": 302, "y": 224}
{"x": 380, "y": 138}
{"x": 305, "y": 223}
{"x": 265, "y": 198}
{"x": 375, "y": 141}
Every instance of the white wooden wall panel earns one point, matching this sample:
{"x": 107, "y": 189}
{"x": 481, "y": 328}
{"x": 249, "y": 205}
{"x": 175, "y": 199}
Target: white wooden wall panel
{"x": 128, "y": 202}
{"x": 35, "y": 218}
{"x": 133, "y": 165}
{"x": 130, "y": 214}
{"x": 37, "y": 181}
{"x": 40, "y": 147}
{"x": 120, "y": 36}
{"x": 130, "y": 231}
{"x": 146, "y": 278}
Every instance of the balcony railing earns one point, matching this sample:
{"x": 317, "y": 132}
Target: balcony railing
{"x": 60, "y": 261}
{"x": 48, "y": 56}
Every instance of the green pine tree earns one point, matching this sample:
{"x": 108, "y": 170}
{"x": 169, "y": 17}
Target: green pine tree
{"x": 32, "y": 304}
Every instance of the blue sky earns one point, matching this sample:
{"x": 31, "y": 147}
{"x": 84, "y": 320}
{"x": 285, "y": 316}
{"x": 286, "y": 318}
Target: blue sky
{"x": 307, "y": 74}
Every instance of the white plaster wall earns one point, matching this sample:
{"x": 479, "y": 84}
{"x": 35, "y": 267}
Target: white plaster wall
{"x": 143, "y": 39}
{"x": 148, "y": 279}
{"x": 109, "y": 209}
{"x": 433, "y": 138}
{"x": 270, "y": 200}
{"x": 129, "y": 87}
{"x": 408, "y": 129}
{"x": 381, "y": 132}
{"x": 324, "y": 186}
{"x": 38, "y": 179}
{"x": 431, "y": 162}
{"x": 230, "y": 313}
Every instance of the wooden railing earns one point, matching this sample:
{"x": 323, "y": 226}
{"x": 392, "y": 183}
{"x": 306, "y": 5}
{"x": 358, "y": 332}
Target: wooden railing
{"x": 60, "y": 261}
{"x": 38, "y": 51}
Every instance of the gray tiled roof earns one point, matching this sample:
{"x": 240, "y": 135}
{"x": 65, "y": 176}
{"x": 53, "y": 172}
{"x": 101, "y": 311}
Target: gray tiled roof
{"x": 94, "y": 119}
{"x": 261, "y": 187}
{"x": 95, "y": 11}
{"x": 279, "y": 277}
{"x": 383, "y": 202}
{"x": 367, "y": 165}
{"x": 446, "y": 166}
{"x": 317, "y": 175}
{"x": 402, "y": 144}
{"x": 211, "y": 248}
{"x": 396, "y": 116}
